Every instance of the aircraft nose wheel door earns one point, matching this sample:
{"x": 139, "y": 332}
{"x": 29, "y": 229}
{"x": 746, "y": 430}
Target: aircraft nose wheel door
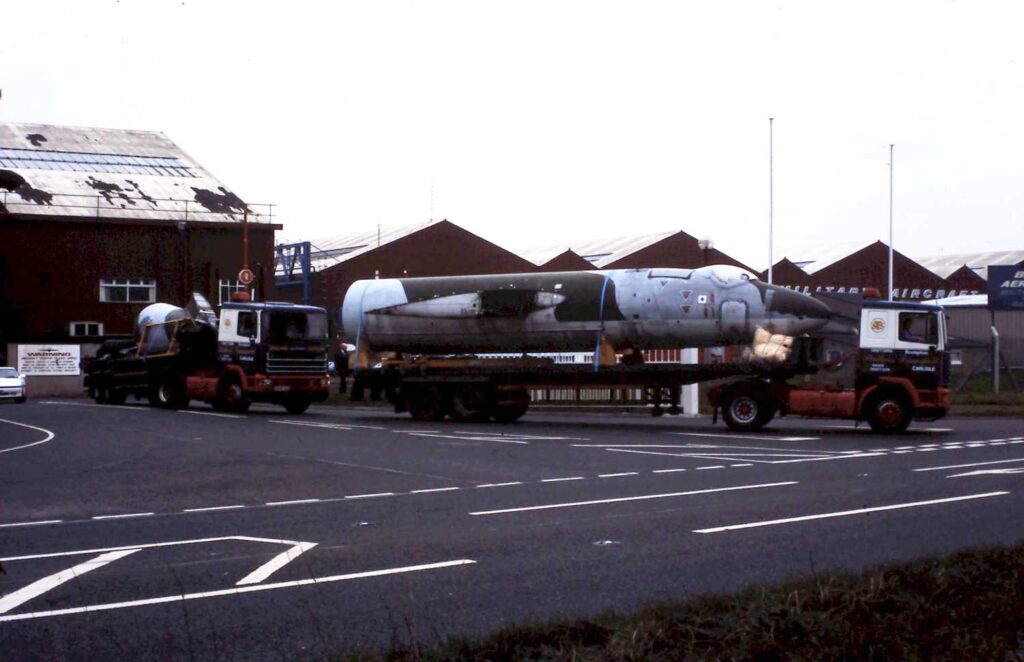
{"x": 732, "y": 320}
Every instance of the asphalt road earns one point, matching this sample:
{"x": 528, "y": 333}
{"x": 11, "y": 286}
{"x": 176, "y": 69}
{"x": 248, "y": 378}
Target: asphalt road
{"x": 136, "y": 533}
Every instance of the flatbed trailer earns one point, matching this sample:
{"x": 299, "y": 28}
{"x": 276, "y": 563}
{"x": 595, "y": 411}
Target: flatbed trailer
{"x": 900, "y": 373}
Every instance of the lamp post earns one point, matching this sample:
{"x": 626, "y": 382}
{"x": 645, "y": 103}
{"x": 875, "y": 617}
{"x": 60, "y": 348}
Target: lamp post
{"x": 890, "y": 221}
{"x": 771, "y": 197}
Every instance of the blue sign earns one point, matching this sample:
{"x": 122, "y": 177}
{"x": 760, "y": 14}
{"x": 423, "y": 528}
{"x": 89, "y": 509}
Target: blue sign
{"x": 1006, "y": 287}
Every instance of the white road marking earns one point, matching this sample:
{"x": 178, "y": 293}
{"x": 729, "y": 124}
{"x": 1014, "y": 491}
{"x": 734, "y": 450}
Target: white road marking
{"x": 516, "y": 482}
{"x": 331, "y": 426}
{"x": 196, "y": 541}
{"x": 370, "y": 496}
{"x": 37, "y": 588}
{"x": 125, "y": 515}
{"x": 741, "y": 465}
{"x": 519, "y": 436}
{"x": 209, "y": 413}
{"x": 237, "y": 590}
{"x": 449, "y": 436}
{"x": 40, "y": 522}
{"x": 561, "y": 480}
{"x": 91, "y": 404}
{"x": 211, "y": 508}
{"x": 846, "y": 513}
{"x": 973, "y": 464}
{"x": 624, "y": 473}
{"x": 742, "y": 436}
{"x": 290, "y": 503}
{"x": 990, "y": 472}
{"x": 645, "y": 497}
{"x": 275, "y": 564}
{"x": 666, "y": 471}
{"x": 713, "y": 466}
{"x": 49, "y": 435}
{"x": 436, "y": 489}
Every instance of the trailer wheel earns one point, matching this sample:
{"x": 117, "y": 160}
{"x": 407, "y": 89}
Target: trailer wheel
{"x": 470, "y": 404}
{"x": 511, "y": 405}
{"x": 297, "y": 405}
{"x": 888, "y": 413}
{"x": 100, "y": 394}
{"x": 426, "y": 404}
{"x": 169, "y": 392}
{"x": 116, "y": 397}
{"x": 746, "y": 411}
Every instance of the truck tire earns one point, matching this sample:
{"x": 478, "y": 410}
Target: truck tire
{"x": 888, "y": 413}
{"x": 231, "y": 397}
{"x": 470, "y": 404}
{"x": 746, "y": 411}
{"x": 169, "y": 392}
{"x": 426, "y": 403}
{"x": 297, "y": 405}
{"x": 100, "y": 394}
{"x": 511, "y": 406}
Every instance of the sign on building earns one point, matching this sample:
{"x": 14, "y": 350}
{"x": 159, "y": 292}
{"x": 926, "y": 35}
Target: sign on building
{"x": 49, "y": 359}
{"x": 1006, "y": 287}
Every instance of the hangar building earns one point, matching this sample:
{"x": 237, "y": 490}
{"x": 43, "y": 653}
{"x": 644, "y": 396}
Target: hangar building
{"x": 95, "y": 224}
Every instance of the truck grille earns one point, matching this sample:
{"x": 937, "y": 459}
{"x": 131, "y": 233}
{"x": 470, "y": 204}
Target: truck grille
{"x": 279, "y": 363}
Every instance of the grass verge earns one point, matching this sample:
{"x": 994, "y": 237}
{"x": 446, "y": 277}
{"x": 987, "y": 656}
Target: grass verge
{"x": 969, "y": 606}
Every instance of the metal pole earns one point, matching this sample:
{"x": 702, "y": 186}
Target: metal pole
{"x": 245, "y": 238}
{"x": 995, "y": 359}
{"x": 890, "y": 222}
{"x": 771, "y": 197}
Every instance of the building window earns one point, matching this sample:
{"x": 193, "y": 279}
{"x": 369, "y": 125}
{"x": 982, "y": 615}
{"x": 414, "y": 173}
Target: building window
{"x": 128, "y": 291}
{"x": 85, "y": 329}
{"x": 229, "y": 287}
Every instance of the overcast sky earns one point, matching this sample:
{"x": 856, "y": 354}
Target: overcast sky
{"x": 540, "y": 122}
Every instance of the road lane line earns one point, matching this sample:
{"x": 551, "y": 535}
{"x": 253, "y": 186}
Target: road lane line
{"x": 973, "y": 464}
{"x": 741, "y": 465}
{"x": 435, "y": 489}
{"x": 290, "y": 503}
{"x": 515, "y": 482}
{"x": 211, "y": 509}
{"x": 624, "y": 473}
{"x": 370, "y": 496}
{"x": 37, "y": 588}
{"x": 713, "y": 466}
{"x": 123, "y": 516}
{"x": 741, "y": 436}
{"x": 209, "y": 413}
{"x": 80, "y": 552}
{"x": 49, "y": 435}
{"x": 237, "y": 590}
{"x": 846, "y": 513}
{"x": 666, "y": 471}
{"x": 449, "y": 436}
{"x": 40, "y": 522}
{"x": 645, "y": 497}
{"x": 561, "y": 480}
{"x": 275, "y": 564}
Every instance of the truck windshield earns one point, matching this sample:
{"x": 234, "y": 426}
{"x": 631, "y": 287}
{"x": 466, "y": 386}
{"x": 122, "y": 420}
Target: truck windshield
{"x": 285, "y": 327}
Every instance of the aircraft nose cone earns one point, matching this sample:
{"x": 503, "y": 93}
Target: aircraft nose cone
{"x": 799, "y": 306}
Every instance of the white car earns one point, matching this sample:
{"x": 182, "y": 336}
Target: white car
{"x": 12, "y": 384}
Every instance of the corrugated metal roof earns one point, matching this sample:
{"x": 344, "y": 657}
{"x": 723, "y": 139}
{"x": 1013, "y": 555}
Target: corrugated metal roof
{"x": 961, "y": 300}
{"x": 814, "y": 258}
{"x": 50, "y": 170}
{"x": 944, "y": 265}
{"x": 328, "y": 251}
{"x": 598, "y": 252}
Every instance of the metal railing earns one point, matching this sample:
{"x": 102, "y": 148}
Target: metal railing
{"x": 124, "y": 204}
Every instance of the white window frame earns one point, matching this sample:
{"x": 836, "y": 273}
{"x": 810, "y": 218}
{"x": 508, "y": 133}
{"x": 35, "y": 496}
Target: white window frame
{"x": 129, "y": 284}
{"x": 227, "y": 286}
{"x": 98, "y": 325}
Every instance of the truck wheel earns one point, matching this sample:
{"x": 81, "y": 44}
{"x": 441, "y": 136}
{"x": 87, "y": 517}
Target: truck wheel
{"x": 231, "y": 397}
{"x": 426, "y": 404}
{"x": 297, "y": 405}
{"x": 745, "y": 412}
{"x": 469, "y": 404}
{"x": 100, "y": 394}
{"x": 169, "y": 392}
{"x": 888, "y": 413}
{"x": 116, "y": 397}
{"x": 512, "y": 405}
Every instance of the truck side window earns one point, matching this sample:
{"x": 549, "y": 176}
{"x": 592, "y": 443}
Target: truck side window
{"x": 918, "y": 327}
{"x": 246, "y": 324}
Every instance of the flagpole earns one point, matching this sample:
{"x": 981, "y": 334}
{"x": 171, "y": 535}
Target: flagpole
{"x": 890, "y": 221}
{"x": 771, "y": 198}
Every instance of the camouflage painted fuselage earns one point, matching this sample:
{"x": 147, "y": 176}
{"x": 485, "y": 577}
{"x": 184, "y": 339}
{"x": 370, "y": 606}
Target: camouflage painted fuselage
{"x": 567, "y": 311}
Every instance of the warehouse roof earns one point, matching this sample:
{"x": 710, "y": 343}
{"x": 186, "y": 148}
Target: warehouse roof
{"x": 53, "y": 170}
{"x": 328, "y": 251}
{"x": 599, "y": 252}
{"x": 944, "y": 265}
{"x": 816, "y": 257}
